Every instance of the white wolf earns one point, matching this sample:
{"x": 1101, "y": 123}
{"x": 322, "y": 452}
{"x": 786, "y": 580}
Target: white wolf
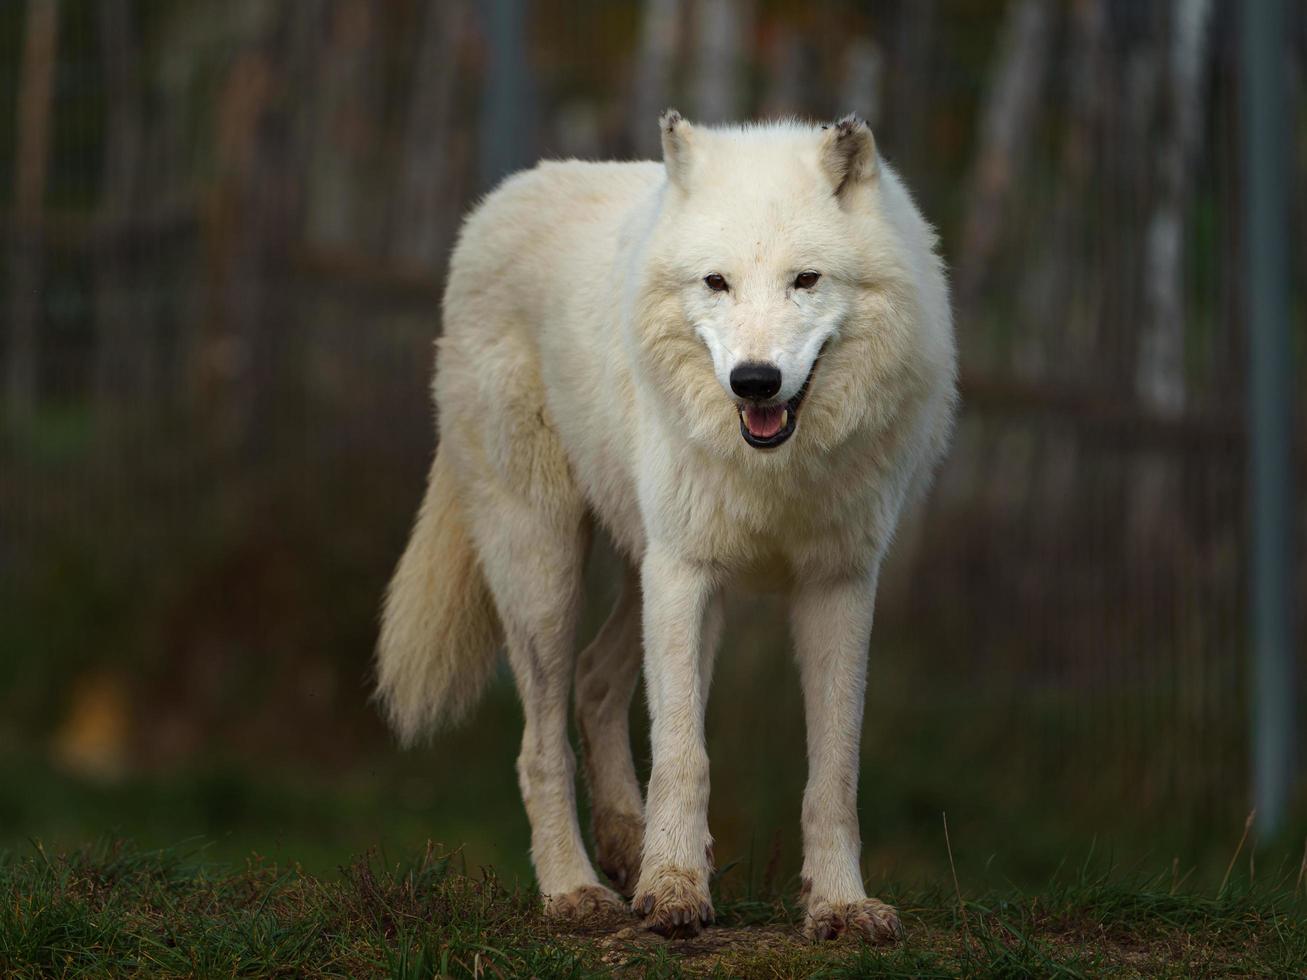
{"x": 741, "y": 363}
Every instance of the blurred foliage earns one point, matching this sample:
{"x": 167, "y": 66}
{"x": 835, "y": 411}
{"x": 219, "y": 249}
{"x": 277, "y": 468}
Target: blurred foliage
{"x": 242, "y": 239}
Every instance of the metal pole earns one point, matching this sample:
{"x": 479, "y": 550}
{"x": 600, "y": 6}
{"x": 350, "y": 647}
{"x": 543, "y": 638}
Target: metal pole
{"x": 1270, "y": 406}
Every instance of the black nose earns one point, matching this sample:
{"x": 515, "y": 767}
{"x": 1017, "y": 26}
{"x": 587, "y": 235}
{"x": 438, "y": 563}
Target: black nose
{"x": 755, "y": 380}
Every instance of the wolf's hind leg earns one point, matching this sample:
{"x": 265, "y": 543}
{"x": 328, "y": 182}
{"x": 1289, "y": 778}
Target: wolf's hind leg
{"x": 533, "y": 561}
{"x": 606, "y": 675}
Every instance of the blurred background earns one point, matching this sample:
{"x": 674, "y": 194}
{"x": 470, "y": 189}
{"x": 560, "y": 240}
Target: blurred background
{"x": 225, "y": 228}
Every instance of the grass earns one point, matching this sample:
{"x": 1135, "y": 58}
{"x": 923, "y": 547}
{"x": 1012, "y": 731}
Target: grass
{"x": 114, "y": 910}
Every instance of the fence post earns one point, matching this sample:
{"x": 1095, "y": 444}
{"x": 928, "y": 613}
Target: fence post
{"x": 27, "y": 249}
{"x": 1270, "y": 407}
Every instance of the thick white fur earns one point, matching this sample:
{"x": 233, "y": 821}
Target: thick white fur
{"x": 584, "y": 375}
{"x": 439, "y": 639}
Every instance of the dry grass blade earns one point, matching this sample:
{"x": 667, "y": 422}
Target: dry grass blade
{"x": 1302, "y": 869}
{"x": 957, "y": 889}
{"x": 1247, "y": 826}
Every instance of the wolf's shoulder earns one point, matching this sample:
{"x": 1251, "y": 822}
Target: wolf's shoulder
{"x": 553, "y": 184}
{"x": 556, "y": 207}
{"x": 538, "y": 221}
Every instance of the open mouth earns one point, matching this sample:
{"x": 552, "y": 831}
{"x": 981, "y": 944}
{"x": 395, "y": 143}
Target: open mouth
{"x": 766, "y": 425}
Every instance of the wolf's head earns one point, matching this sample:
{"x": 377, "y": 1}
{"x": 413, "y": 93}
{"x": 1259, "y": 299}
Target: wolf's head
{"x": 790, "y": 289}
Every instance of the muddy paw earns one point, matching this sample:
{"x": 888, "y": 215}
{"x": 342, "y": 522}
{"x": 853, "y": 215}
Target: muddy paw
{"x": 619, "y": 840}
{"x": 585, "y": 902}
{"x": 868, "y": 919}
{"x": 674, "y": 902}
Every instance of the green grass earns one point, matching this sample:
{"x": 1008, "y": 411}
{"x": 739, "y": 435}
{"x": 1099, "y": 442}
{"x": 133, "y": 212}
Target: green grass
{"x": 115, "y": 910}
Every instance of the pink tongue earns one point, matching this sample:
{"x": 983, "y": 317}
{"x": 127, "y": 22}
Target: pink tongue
{"x": 763, "y": 421}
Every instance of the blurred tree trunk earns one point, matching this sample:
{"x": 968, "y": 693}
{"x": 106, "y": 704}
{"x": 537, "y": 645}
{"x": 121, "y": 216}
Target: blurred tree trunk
{"x": 1005, "y": 132}
{"x": 1063, "y": 290}
{"x": 724, "y": 33}
{"x": 1062, "y": 307}
{"x": 860, "y": 88}
{"x": 26, "y": 261}
{"x": 998, "y": 460}
{"x": 169, "y": 158}
{"x": 910, "y": 81}
{"x": 424, "y": 209}
{"x": 1136, "y": 35}
{"x": 125, "y": 348}
{"x": 508, "y": 119}
{"x": 1159, "y": 364}
{"x": 1159, "y": 374}
{"x": 1229, "y": 357}
{"x": 791, "y": 69}
{"x": 652, "y": 85}
{"x": 255, "y": 220}
{"x": 346, "y": 100}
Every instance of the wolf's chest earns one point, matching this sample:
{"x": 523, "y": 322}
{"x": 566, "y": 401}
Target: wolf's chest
{"x": 768, "y": 533}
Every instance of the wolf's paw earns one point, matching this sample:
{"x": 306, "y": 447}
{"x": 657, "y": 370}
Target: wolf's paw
{"x": 619, "y": 841}
{"x": 674, "y": 902}
{"x": 585, "y": 902}
{"x": 867, "y": 918}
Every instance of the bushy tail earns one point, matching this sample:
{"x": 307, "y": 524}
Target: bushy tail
{"x": 439, "y": 631}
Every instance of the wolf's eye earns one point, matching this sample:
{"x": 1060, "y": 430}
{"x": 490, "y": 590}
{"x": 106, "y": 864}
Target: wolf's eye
{"x": 715, "y": 282}
{"x": 806, "y": 280}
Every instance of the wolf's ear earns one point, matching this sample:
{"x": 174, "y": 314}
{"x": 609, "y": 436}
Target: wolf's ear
{"x": 848, "y": 154}
{"x": 678, "y": 143}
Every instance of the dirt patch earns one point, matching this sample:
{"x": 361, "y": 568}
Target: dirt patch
{"x": 711, "y": 944}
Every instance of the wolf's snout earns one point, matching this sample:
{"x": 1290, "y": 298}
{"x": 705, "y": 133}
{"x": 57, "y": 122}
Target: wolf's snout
{"x": 755, "y": 380}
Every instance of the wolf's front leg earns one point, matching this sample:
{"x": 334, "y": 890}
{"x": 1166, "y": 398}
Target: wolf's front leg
{"x": 680, "y": 622}
{"x": 832, "y": 627}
